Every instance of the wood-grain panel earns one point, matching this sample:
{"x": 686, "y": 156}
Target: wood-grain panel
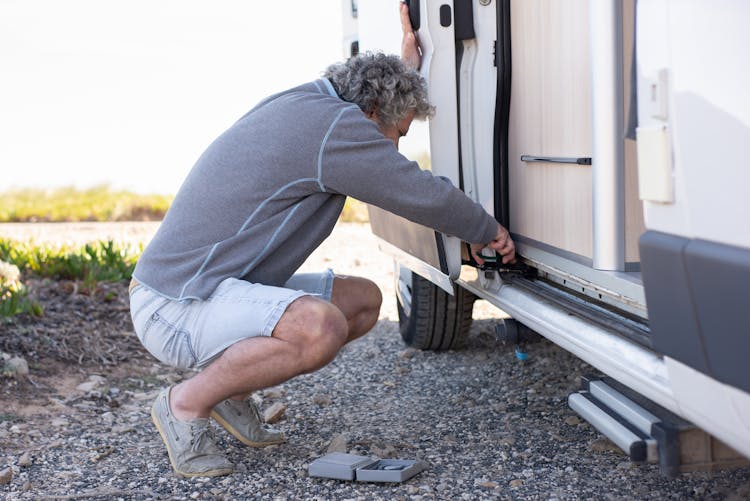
{"x": 551, "y": 116}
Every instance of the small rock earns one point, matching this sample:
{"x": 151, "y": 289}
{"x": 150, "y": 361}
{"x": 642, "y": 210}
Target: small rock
{"x": 59, "y": 422}
{"x": 603, "y": 445}
{"x": 6, "y": 476}
{"x": 25, "y": 459}
{"x": 407, "y": 353}
{"x": 273, "y": 393}
{"x": 122, "y": 428}
{"x": 516, "y": 483}
{"x": 383, "y": 450}
{"x": 150, "y": 395}
{"x": 274, "y": 412}
{"x": 338, "y": 444}
{"x": 321, "y": 400}
{"x": 91, "y": 383}
{"x": 26, "y": 486}
{"x": 499, "y": 407}
{"x": 488, "y": 485}
{"x": 572, "y": 420}
{"x": 16, "y": 366}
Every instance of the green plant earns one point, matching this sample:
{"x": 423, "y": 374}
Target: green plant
{"x": 100, "y": 203}
{"x": 6, "y": 417}
{"x": 92, "y": 262}
{"x": 13, "y": 294}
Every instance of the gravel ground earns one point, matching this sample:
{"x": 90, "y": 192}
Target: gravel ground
{"x": 487, "y": 425}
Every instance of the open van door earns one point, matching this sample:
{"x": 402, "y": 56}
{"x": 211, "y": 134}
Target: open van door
{"x": 458, "y": 42}
{"x": 448, "y": 38}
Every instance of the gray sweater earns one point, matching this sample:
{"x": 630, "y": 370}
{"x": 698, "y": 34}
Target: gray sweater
{"x": 269, "y": 190}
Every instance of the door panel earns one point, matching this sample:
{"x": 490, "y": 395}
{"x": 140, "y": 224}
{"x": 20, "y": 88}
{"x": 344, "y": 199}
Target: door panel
{"x": 550, "y": 116}
{"x": 435, "y": 256}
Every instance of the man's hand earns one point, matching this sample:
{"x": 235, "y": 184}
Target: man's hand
{"x": 410, "y": 53}
{"x": 502, "y": 244}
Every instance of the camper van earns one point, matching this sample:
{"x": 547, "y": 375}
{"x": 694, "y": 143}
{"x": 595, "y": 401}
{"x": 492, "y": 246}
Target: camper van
{"x": 613, "y": 140}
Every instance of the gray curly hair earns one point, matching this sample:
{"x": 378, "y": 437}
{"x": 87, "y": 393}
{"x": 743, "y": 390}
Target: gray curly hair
{"x": 376, "y": 81}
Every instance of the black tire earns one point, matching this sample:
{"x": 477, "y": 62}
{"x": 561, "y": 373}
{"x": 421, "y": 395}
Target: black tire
{"x": 429, "y": 318}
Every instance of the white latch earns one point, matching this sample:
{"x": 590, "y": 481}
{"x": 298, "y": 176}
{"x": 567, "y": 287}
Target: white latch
{"x": 655, "y": 178}
{"x": 659, "y": 96}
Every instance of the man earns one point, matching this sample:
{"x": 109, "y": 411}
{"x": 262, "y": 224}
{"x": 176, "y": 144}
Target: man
{"x": 215, "y": 289}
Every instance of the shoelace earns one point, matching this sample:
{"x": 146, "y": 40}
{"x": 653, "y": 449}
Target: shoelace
{"x": 202, "y": 436}
{"x": 250, "y": 405}
{"x": 254, "y": 410}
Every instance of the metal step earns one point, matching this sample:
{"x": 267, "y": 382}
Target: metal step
{"x": 647, "y": 432}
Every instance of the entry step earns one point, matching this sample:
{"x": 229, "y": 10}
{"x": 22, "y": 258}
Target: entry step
{"x": 648, "y": 433}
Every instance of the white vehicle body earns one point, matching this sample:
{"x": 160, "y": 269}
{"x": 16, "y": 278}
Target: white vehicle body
{"x": 651, "y": 235}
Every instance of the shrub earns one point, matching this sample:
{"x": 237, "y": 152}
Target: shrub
{"x": 13, "y": 295}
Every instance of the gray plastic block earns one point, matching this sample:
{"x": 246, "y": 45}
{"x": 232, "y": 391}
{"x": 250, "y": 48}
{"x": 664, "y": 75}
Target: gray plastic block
{"x": 340, "y": 466}
{"x": 390, "y": 470}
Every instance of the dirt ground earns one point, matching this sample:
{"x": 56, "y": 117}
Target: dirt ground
{"x": 488, "y": 426}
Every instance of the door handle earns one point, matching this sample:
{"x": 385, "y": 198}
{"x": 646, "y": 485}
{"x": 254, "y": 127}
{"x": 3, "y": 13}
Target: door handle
{"x": 557, "y": 160}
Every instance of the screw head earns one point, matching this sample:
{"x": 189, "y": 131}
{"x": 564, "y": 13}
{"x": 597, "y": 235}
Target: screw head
{"x": 485, "y": 2}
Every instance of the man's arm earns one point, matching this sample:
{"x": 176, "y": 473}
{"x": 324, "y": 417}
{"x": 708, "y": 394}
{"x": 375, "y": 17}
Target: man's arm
{"x": 359, "y": 161}
{"x": 411, "y": 54}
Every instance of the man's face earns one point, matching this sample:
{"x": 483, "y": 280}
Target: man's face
{"x": 395, "y": 132}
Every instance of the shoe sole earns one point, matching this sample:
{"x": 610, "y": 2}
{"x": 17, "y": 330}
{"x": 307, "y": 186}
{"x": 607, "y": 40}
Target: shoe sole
{"x": 215, "y": 415}
{"x": 210, "y": 473}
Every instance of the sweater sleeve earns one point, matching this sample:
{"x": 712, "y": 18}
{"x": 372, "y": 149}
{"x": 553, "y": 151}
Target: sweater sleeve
{"x": 358, "y": 161}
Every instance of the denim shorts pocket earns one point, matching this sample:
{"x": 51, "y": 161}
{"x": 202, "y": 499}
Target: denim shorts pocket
{"x": 142, "y": 303}
{"x": 168, "y": 343}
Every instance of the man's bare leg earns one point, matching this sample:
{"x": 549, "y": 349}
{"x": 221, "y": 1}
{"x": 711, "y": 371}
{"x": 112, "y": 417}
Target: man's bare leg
{"x": 307, "y": 337}
{"x": 359, "y": 299}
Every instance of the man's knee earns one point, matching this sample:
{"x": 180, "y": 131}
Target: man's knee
{"x": 372, "y": 299}
{"x": 316, "y": 328}
{"x": 369, "y": 300}
{"x": 354, "y": 295}
{"x": 373, "y": 296}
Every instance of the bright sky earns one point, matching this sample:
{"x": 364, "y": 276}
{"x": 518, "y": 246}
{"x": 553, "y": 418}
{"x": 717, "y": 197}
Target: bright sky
{"x": 130, "y": 92}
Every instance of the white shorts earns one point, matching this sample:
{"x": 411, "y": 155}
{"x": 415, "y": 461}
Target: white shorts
{"x": 192, "y": 333}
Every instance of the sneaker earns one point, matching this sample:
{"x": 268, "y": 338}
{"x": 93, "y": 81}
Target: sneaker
{"x": 190, "y": 444}
{"x": 242, "y": 419}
